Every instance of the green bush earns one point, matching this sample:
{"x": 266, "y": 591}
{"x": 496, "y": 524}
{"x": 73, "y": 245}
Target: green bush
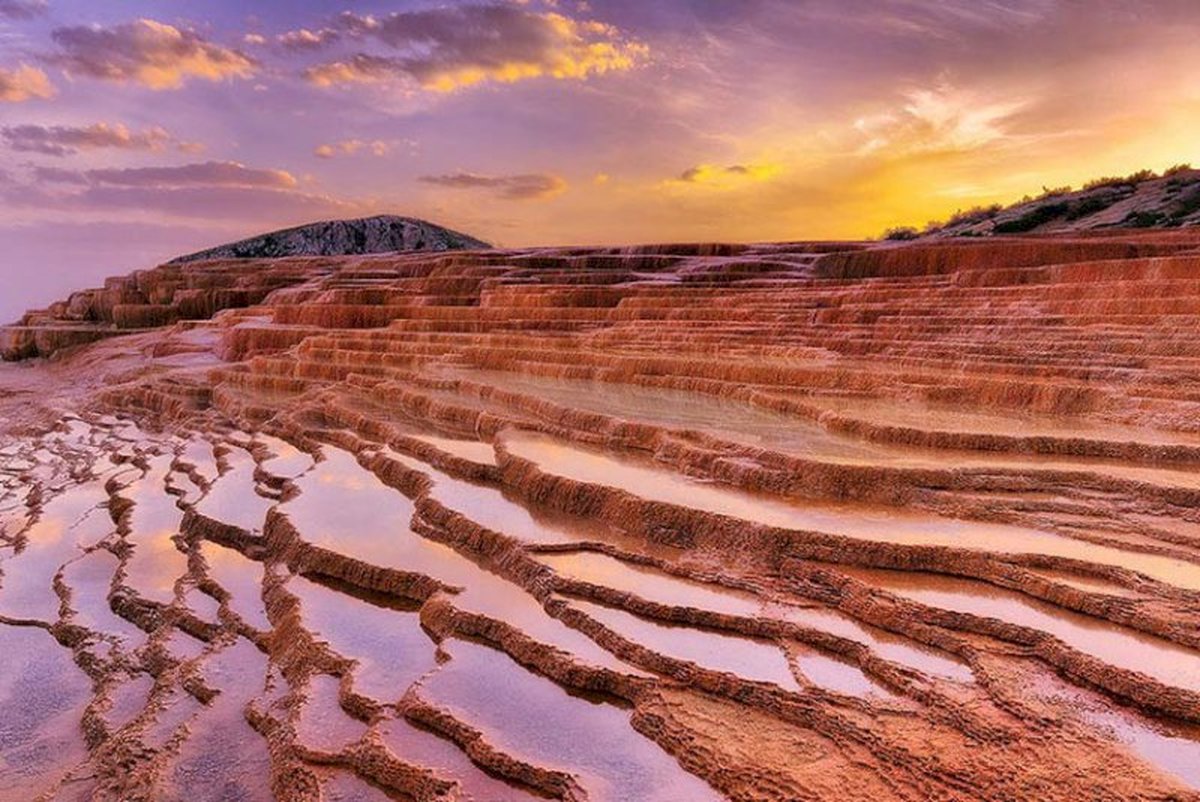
{"x": 1088, "y": 206}
{"x": 1185, "y": 206}
{"x": 972, "y": 216}
{"x": 1145, "y": 219}
{"x": 1035, "y": 217}
{"x": 1133, "y": 179}
{"x": 901, "y": 233}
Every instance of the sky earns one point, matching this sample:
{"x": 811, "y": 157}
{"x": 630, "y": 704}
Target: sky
{"x": 131, "y": 132}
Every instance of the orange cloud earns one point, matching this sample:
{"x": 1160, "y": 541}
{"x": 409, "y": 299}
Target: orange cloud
{"x": 61, "y": 140}
{"x": 153, "y": 54}
{"x": 24, "y": 83}
{"x": 446, "y": 49}
{"x": 349, "y": 147}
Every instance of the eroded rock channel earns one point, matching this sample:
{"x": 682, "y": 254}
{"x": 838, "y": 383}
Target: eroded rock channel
{"x": 793, "y": 522}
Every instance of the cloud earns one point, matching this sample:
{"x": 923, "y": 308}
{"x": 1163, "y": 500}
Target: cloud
{"x": 23, "y": 83}
{"x": 22, "y": 9}
{"x": 361, "y": 68}
{"x": 211, "y": 174}
{"x": 61, "y": 140}
{"x": 58, "y": 175}
{"x": 208, "y": 190}
{"x": 230, "y": 174}
{"x": 444, "y": 49}
{"x": 150, "y": 53}
{"x": 304, "y": 39}
{"x": 349, "y": 147}
{"x": 732, "y": 174}
{"x": 939, "y": 120}
{"x": 530, "y": 186}
{"x": 216, "y": 202}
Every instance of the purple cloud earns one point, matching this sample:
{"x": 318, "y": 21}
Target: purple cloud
{"x": 304, "y": 39}
{"x": 62, "y": 140}
{"x": 530, "y": 186}
{"x": 444, "y": 49}
{"x": 212, "y": 173}
{"x": 23, "y": 9}
{"x": 150, "y": 53}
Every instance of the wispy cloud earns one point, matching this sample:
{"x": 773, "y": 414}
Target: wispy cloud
{"x": 350, "y": 147}
{"x": 204, "y": 190}
{"x": 529, "y": 186}
{"x": 734, "y": 173}
{"x": 211, "y": 173}
{"x": 146, "y": 52}
{"x": 304, "y": 39}
{"x": 938, "y": 120}
{"x": 62, "y": 140}
{"x": 22, "y": 9}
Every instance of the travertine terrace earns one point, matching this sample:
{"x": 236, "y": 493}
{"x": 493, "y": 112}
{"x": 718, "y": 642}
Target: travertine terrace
{"x": 803, "y": 521}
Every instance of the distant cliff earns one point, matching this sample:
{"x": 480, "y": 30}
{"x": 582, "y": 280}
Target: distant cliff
{"x": 381, "y": 234}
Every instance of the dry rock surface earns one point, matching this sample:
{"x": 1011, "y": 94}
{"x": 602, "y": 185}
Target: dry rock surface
{"x": 800, "y": 521}
{"x": 379, "y": 234}
{"x": 1142, "y": 200}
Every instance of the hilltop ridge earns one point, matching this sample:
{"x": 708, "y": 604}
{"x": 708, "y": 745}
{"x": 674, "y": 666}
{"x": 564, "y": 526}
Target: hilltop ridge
{"x": 1143, "y": 199}
{"x": 378, "y": 234}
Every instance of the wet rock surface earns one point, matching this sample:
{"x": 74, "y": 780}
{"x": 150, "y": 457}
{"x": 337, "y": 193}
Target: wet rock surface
{"x": 798, "y": 521}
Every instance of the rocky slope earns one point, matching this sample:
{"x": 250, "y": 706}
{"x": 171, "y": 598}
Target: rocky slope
{"x": 1140, "y": 200}
{"x": 174, "y": 291}
{"x": 805, "y": 521}
{"x": 381, "y": 234}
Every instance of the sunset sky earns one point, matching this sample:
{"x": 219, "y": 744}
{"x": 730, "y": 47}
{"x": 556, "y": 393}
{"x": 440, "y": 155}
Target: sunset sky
{"x": 133, "y": 131}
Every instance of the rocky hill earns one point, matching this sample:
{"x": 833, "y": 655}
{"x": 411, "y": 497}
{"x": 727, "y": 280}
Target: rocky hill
{"x": 1141, "y": 200}
{"x": 380, "y": 234}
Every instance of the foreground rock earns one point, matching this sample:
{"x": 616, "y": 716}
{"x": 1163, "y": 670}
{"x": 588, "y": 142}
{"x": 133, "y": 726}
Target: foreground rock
{"x": 796, "y": 521}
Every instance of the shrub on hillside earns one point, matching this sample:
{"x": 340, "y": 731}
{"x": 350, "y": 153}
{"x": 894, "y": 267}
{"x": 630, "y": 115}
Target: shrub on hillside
{"x": 1133, "y": 179}
{"x": 901, "y": 233}
{"x": 1054, "y": 192}
{"x": 1091, "y": 205}
{"x": 972, "y": 216}
{"x": 1145, "y": 219}
{"x": 1182, "y": 175}
{"x": 1038, "y": 216}
{"x": 1185, "y": 205}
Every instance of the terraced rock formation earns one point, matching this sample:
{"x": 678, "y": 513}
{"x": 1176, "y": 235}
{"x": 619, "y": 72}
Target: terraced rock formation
{"x": 146, "y": 299}
{"x": 803, "y": 521}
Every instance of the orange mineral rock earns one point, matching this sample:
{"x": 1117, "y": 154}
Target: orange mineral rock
{"x": 795, "y": 521}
